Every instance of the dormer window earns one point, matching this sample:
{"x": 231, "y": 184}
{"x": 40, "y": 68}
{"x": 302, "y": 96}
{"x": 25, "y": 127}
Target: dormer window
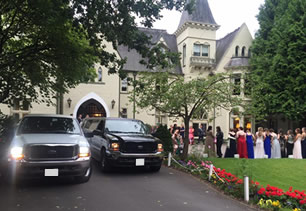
{"x": 200, "y": 50}
{"x": 243, "y": 51}
{"x": 237, "y": 51}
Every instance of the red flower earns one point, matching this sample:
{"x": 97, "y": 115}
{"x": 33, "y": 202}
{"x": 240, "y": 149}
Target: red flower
{"x": 261, "y": 191}
{"x": 267, "y": 193}
{"x": 290, "y": 189}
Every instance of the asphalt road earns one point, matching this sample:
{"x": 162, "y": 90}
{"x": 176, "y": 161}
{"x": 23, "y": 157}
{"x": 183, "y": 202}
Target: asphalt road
{"x": 130, "y": 190}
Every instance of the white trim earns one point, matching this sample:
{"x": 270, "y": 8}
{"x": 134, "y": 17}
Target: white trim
{"x": 94, "y": 96}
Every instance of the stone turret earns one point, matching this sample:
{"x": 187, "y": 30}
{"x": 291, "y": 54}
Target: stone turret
{"x": 196, "y": 39}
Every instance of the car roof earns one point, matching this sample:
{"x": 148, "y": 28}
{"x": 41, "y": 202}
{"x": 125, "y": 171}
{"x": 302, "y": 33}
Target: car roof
{"x": 49, "y": 115}
{"x": 111, "y": 118}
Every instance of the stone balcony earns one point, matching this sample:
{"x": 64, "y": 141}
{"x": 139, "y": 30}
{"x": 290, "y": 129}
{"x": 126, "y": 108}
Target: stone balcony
{"x": 202, "y": 62}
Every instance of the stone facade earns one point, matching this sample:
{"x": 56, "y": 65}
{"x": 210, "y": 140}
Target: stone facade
{"x": 201, "y": 52}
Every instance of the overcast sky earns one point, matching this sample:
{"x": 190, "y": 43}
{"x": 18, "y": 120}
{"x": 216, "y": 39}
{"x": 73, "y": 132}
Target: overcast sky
{"x": 229, "y": 14}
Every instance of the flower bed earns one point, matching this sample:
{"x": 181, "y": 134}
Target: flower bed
{"x": 268, "y": 197}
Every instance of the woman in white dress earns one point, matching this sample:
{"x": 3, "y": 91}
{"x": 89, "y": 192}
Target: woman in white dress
{"x": 275, "y": 150}
{"x": 259, "y": 149}
{"x": 297, "y": 148}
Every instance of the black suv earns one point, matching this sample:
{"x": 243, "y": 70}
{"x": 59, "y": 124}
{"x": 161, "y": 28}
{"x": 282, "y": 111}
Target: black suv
{"x": 122, "y": 143}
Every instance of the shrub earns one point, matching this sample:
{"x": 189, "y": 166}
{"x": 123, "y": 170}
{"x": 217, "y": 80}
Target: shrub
{"x": 165, "y": 136}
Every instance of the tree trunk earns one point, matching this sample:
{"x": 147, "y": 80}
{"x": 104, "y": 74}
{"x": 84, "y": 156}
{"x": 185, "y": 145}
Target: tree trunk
{"x": 186, "y": 139}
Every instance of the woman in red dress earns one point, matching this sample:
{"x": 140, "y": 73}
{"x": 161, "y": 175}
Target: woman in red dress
{"x": 241, "y": 143}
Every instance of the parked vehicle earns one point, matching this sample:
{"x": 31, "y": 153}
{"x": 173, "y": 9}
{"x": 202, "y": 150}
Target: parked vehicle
{"x": 122, "y": 143}
{"x": 49, "y": 145}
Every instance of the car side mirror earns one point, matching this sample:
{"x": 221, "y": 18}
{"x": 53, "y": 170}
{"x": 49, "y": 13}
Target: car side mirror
{"x": 97, "y": 133}
{"x": 89, "y": 134}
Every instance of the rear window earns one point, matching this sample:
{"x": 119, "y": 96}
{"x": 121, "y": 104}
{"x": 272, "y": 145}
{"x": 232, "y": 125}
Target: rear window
{"x": 48, "y": 125}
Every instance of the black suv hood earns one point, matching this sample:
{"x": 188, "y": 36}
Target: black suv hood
{"x": 127, "y": 137}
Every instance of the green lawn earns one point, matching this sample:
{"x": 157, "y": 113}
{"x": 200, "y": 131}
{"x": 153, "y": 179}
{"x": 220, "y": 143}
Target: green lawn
{"x": 281, "y": 173}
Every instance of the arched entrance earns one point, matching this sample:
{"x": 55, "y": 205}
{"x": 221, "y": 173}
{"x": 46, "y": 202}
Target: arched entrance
{"x": 93, "y": 105}
{"x": 92, "y": 108}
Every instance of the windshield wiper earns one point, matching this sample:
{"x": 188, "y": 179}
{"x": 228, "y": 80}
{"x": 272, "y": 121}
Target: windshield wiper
{"x": 113, "y": 131}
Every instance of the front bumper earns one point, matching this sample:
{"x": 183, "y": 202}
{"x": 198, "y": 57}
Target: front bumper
{"x": 120, "y": 159}
{"x": 26, "y": 168}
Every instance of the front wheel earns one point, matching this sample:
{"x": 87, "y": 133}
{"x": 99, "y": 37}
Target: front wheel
{"x": 85, "y": 177}
{"x": 105, "y": 166}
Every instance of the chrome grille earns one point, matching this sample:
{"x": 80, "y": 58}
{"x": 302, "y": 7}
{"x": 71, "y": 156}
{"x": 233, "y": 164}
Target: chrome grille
{"x": 51, "y": 152}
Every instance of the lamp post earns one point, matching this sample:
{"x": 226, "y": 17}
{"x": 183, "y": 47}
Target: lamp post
{"x": 134, "y": 94}
{"x": 69, "y": 102}
{"x": 113, "y": 103}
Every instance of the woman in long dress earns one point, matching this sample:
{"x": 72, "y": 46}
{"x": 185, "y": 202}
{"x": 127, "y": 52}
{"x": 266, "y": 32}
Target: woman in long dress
{"x": 290, "y": 142}
{"x": 250, "y": 143}
{"x": 275, "y": 150}
{"x": 241, "y": 144}
{"x": 303, "y": 142}
{"x": 259, "y": 149}
{"x": 297, "y": 149}
{"x": 231, "y": 150}
{"x": 209, "y": 143}
{"x": 267, "y": 143}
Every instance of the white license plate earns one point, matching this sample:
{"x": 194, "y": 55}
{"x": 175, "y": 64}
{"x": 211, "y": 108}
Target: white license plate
{"x": 51, "y": 172}
{"x": 140, "y": 162}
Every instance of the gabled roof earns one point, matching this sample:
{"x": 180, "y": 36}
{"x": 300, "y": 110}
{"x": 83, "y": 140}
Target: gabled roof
{"x": 133, "y": 57}
{"x": 223, "y": 44}
{"x": 200, "y": 14}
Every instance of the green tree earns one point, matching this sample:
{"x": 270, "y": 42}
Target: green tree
{"x": 49, "y": 46}
{"x": 279, "y": 60}
{"x": 164, "y": 135}
{"x": 176, "y": 96}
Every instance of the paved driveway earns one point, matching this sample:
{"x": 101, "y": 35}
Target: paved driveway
{"x": 130, "y": 190}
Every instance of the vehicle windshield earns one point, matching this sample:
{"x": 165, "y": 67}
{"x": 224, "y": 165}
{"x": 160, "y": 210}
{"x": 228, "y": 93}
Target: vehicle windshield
{"x": 48, "y": 125}
{"x": 125, "y": 126}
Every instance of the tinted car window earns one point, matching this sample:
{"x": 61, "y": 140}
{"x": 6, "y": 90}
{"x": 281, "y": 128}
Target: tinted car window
{"x": 125, "y": 126}
{"x": 48, "y": 125}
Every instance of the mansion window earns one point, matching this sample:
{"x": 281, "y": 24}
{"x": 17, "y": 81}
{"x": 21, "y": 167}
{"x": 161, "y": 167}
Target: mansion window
{"x": 247, "y": 85}
{"x": 237, "y": 84}
{"x": 237, "y": 51}
{"x": 99, "y": 74}
{"x": 243, "y": 51}
{"x": 200, "y": 50}
{"x": 20, "y": 108}
{"x": 124, "y": 85}
{"x": 184, "y": 55}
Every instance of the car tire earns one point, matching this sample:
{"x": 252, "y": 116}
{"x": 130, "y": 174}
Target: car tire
{"x": 85, "y": 177}
{"x": 104, "y": 164}
{"x": 155, "y": 168}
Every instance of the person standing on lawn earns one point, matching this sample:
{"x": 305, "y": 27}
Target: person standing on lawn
{"x": 259, "y": 149}
{"x": 282, "y": 141}
{"x": 219, "y": 137}
{"x": 290, "y": 142}
{"x": 241, "y": 143}
{"x": 231, "y": 150}
{"x": 177, "y": 141}
{"x": 297, "y": 149}
{"x": 304, "y": 142}
{"x": 267, "y": 143}
{"x": 182, "y": 131}
{"x": 275, "y": 150}
{"x": 191, "y": 135}
{"x": 209, "y": 143}
{"x": 250, "y": 143}
{"x": 201, "y": 134}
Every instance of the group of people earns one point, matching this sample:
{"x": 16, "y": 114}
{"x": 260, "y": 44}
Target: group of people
{"x": 268, "y": 144}
{"x": 265, "y": 143}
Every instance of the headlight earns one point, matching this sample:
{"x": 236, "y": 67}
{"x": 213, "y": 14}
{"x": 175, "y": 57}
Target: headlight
{"x": 160, "y": 148}
{"x": 84, "y": 152}
{"x": 115, "y": 146}
{"x": 16, "y": 153}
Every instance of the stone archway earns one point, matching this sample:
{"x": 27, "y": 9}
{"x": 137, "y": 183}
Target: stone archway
{"x": 93, "y": 105}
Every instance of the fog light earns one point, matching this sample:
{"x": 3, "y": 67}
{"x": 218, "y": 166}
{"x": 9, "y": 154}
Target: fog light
{"x": 84, "y": 152}
{"x": 16, "y": 153}
{"x": 115, "y": 146}
{"x": 160, "y": 148}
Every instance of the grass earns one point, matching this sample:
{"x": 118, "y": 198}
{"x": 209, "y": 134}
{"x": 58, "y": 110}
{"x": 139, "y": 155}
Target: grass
{"x": 281, "y": 173}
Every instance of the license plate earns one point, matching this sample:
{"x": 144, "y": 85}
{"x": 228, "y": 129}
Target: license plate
{"x": 51, "y": 172}
{"x": 140, "y": 162}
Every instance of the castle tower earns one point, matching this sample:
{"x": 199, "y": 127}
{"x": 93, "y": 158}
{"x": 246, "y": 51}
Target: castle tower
{"x": 196, "y": 39}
